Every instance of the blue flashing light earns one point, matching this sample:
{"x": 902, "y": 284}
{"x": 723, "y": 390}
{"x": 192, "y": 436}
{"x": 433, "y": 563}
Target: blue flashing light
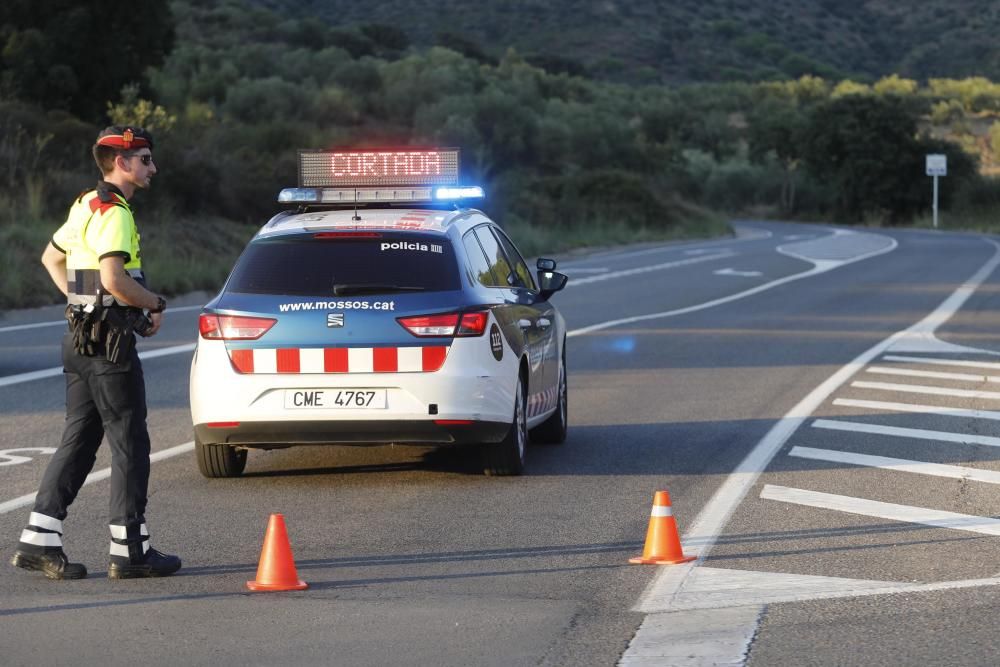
{"x": 459, "y": 192}
{"x": 297, "y": 195}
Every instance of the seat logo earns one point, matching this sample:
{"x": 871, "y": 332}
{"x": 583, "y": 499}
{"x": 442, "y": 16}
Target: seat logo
{"x": 334, "y": 320}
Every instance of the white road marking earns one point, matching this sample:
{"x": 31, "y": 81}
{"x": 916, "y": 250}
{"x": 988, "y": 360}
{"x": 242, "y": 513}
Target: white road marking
{"x": 891, "y": 511}
{"x": 922, "y": 409}
{"x": 54, "y": 323}
{"x": 744, "y": 234}
{"x": 647, "y": 269}
{"x": 693, "y": 638}
{"x": 989, "y": 365}
{"x": 900, "y": 432}
{"x": 902, "y": 465}
{"x": 58, "y": 370}
{"x": 704, "y": 531}
{"x": 105, "y": 473}
{"x": 923, "y": 389}
{"x": 573, "y": 272}
{"x": 711, "y": 589}
{"x": 10, "y": 457}
{"x": 936, "y": 375}
{"x": 820, "y": 266}
{"x": 734, "y": 272}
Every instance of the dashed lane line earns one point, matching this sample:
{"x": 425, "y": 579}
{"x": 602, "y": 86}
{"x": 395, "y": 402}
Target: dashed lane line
{"x": 917, "y": 408}
{"x": 647, "y": 269}
{"x": 990, "y": 365}
{"x": 924, "y": 389}
{"x": 901, "y": 432}
{"x": 105, "y": 473}
{"x": 933, "y": 375}
{"x": 891, "y": 511}
{"x": 901, "y": 465}
{"x": 819, "y": 266}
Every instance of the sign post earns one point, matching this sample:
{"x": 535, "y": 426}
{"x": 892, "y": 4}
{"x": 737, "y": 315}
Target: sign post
{"x": 937, "y": 165}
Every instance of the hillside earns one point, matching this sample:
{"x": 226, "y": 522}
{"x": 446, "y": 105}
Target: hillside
{"x": 696, "y": 40}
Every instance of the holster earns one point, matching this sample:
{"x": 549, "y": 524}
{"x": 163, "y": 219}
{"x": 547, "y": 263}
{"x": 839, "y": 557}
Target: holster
{"x": 119, "y": 338}
{"x": 87, "y": 329}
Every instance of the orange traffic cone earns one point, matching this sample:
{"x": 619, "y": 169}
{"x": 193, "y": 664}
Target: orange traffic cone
{"x": 276, "y": 571}
{"x": 663, "y": 546}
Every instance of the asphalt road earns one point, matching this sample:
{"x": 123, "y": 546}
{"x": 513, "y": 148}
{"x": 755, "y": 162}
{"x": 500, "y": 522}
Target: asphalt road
{"x": 829, "y": 373}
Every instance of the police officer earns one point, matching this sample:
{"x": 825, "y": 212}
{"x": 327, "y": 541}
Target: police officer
{"x": 94, "y": 259}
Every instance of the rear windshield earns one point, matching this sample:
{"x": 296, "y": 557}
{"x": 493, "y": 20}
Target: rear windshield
{"x": 305, "y": 264}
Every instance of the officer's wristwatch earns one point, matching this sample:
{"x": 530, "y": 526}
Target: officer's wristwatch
{"x": 161, "y": 305}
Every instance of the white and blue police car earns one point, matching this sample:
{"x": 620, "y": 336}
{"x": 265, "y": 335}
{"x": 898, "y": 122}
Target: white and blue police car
{"x": 378, "y": 309}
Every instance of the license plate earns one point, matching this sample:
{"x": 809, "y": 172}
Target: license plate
{"x": 335, "y": 398}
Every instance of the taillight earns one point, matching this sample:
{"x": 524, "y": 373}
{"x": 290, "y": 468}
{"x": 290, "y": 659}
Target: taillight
{"x": 430, "y": 325}
{"x": 473, "y": 324}
{"x": 233, "y": 327}
{"x": 446, "y": 324}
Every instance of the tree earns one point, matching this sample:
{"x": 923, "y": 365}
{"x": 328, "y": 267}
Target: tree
{"x": 867, "y": 148}
{"x": 78, "y": 56}
{"x": 778, "y": 127}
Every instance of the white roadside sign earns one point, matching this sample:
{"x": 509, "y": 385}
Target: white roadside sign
{"x": 937, "y": 165}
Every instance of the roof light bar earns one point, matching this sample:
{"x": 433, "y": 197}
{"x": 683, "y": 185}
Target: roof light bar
{"x": 298, "y": 196}
{"x": 459, "y": 192}
{"x": 377, "y": 195}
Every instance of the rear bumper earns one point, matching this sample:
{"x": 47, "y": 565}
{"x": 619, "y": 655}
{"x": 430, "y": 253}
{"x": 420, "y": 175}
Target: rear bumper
{"x": 467, "y": 387}
{"x": 343, "y": 432}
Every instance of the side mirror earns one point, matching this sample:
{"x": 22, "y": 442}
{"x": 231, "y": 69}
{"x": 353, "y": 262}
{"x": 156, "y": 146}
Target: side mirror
{"x": 546, "y": 264}
{"x": 550, "y": 282}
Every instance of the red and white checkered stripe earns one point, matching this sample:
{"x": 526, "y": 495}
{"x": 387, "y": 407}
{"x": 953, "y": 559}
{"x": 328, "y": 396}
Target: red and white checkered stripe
{"x": 340, "y": 359}
{"x": 542, "y": 401}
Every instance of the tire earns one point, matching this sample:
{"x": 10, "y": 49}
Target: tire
{"x": 506, "y": 457}
{"x": 220, "y": 460}
{"x": 552, "y": 431}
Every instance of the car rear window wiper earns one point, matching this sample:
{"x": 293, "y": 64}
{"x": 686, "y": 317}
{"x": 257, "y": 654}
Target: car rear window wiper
{"x": 343, "y": 289}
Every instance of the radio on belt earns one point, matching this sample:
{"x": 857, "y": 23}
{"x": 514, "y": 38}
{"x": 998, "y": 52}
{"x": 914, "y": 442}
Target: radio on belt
{"x": 351, "y": 177}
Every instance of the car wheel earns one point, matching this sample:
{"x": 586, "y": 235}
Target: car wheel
{"x": 553, "y": 430}
{"x": 220, "y": 460}
{"x": 507, "y": 456}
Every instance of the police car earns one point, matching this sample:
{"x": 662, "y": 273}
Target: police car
{"x": 378, "y": 309}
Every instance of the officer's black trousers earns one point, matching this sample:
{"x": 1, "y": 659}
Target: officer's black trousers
{"x": 101, "y": 398}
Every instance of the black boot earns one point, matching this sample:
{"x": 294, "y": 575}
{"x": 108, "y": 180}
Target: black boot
{"x": 151, "y": 564}
{"x": 53, "y": 564}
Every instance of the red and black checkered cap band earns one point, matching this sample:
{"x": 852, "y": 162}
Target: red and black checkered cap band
{"x": 127, "y": 140}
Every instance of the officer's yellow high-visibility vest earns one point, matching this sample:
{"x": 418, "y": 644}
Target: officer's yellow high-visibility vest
{"x": 99, "y": 225}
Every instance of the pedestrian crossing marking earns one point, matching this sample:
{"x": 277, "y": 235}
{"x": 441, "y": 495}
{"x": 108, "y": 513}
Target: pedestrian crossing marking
{"x": 874, "y": 508}
{"x": 989, "y": 365}
{"x": 920, "y": 409}
{"x": 901, "y": 465}
{"x": 901, "y": 432}
{"x": 936, "y": 375}
{"x": 922, "y": 389}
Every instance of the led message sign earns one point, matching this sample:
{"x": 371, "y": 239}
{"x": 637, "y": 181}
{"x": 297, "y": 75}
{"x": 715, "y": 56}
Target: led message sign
{"x": 368, "y": 168}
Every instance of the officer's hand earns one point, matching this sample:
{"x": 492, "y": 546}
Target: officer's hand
{"x": 157, "y": 319}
